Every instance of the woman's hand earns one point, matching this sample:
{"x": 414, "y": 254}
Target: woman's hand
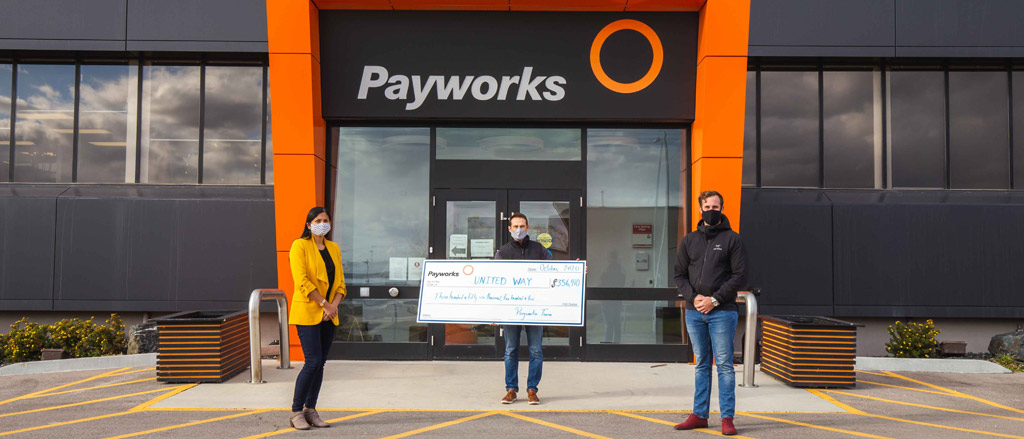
{"x": 330, "y": 310}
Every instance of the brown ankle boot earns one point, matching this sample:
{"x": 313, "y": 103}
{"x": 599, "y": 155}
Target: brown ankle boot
{"x": 298, "y": 421}
{"x": 313, "y": 418}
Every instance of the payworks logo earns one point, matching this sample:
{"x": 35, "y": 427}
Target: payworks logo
{"x": 416, "y": 89}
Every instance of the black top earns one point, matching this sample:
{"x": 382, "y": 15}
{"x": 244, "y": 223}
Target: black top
{"x": 525, "y": 249}
{"x": 711, "y": 262}
{"x": 330, "y": 269}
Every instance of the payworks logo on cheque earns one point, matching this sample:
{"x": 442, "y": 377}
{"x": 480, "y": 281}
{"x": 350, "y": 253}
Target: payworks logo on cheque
{"x": 416, "y": 89}
{"x": 437, "y": 274}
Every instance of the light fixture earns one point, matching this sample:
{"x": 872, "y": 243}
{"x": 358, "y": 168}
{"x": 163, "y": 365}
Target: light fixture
{"x": 108, "y": 143}
{"x": 614, "y": 144}
{"x": 27, "y": 114}
{"x": 507, "y": 145}
{"x": 411, "y": 142}
{"x": 80, "y": 131}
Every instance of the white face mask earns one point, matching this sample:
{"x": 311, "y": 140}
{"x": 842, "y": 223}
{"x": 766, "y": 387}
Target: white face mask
{"x": 320, "y": 229}
{"x": 519, "y": 234}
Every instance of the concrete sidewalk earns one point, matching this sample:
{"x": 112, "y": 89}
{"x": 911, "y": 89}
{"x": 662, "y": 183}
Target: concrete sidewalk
{"x": 479, "y": 385}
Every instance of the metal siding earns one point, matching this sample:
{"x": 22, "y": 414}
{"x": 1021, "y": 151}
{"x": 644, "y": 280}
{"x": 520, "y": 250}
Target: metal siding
{"x": 92, "y": 254}
{"x": 27, "y": 217}
{"x": 62, "y": 24}
{"x": 197, "y": 25}
{"x": 937, "y": 24}
{"x": 822, "y": 28}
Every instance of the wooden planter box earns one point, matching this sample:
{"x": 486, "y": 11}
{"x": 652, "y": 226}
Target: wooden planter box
{"x": 804, "y": 351}
{"x": 202, "y": 346}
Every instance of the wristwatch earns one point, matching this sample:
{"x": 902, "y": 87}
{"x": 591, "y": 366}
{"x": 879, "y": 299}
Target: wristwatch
{"x": 714, "y": 302}
{"x": 324, "y": 302}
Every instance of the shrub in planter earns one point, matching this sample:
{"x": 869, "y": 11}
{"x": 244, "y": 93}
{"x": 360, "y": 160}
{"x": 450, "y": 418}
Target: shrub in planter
{"x": 78, "y": 338}
{"x": 913, "y": 340}
{"x": 25, "y": 342}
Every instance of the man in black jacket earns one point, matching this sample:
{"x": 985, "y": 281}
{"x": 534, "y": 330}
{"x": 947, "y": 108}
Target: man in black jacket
{"x": 521, "y": 247}
{"x": 710, "y": 268}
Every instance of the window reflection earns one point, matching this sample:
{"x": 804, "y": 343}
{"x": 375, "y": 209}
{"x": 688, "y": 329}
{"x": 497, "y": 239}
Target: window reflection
{"x": 170, "y": 124}
{"x": 270, "y": 140}
{"x": 106, "y": 126}
{"x": 633, "y": 184}
{"x": 5, "y": 121}
{"x": 1018, "y": 130}
{"x": 382, "y": 207}
{"x": 978, "y": 130}
{"x": 380, "y": 321}
{"x": 853, "y": 129}
{"x": 231, "y": 138}
{"x": 508, "y": 144}
{"x": 750, "y": 132}
{"x": 917, "y": 129}
{"x": 789, "y": 129}
{"x": 634, "y": 322}
{"x": 44, "y": 123}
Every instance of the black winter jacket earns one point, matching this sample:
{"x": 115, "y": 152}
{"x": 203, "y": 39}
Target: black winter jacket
{"x": 527, "y": 249}
{"x": 711, "y": 262}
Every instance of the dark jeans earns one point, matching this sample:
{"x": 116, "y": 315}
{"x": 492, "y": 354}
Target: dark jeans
{"x": 533, "y": 341}
{"x": 316, "y": 343}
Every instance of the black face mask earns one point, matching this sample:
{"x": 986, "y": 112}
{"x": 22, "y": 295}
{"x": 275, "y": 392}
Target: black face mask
{"x": 711, "y": 217}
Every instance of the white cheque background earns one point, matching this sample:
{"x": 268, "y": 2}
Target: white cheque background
{"x": 514, "y": 292}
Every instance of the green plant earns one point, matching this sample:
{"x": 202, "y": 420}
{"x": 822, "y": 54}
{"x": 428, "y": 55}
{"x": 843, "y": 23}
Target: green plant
{"x": 24, "y": 343}
{"x": 912, "y": 340}
{"x": 1009, "y": 362}
{"x": 79, "y": 338}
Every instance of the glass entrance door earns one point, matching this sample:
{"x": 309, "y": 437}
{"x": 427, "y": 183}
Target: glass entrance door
{"x": 473, "y": 224}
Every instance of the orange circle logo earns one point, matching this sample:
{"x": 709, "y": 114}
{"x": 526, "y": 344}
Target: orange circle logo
{"x": 595, "y": 56}
{"x": 467, "y": 270}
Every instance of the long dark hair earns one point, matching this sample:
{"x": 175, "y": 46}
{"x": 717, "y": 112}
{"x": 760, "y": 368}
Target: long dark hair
{"x": 313, "y": 213}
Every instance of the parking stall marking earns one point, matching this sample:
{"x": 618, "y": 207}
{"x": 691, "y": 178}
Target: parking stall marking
{"x": 289, "y": 430}
{"x": 819, "y": 427}
{"x": 925, "y": 406}
{"x": 553, "y": 425}
{"x": 188, "y": 424}
{"x": 664, "y": 422}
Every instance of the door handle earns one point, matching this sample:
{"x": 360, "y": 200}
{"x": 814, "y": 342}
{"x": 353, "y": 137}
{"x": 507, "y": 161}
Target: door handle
{"x": 503, "y": 216}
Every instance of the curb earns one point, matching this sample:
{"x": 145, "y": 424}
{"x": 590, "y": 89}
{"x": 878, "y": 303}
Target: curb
{"x": 76, "y": 364}
{"x": 929, "y": 365}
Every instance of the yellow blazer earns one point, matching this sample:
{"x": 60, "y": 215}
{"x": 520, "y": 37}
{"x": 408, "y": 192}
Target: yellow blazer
{"x": 310, "y": 273}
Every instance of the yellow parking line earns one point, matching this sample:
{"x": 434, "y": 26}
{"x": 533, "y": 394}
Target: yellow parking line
{"x": 553, "y": 425}
{"x": 133, "y": 371}
{"x": 442, "y": 425}
{"x": 848, "y": 408}
{"x": 187, "y": 424}
{"x": 905, "y": 388}
{"x": 58, "y": 424}
{"x": 289, "y": 430}
{"x": 925, "y": 406}
{"x": 881, "y": 374}
{"x": 819, "y": 427}
{"x": 956, "y": 393}
{"x": 662, "y": 421}
{"x": 946, "y": 427}
{"x": 28, "y": 395}
{"x": 169, "y": 394}
{"x": 91, "y": 388}
{"x": 80, "y": 403}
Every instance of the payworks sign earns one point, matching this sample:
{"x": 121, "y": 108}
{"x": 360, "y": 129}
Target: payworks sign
{"x": 600, "y": 66}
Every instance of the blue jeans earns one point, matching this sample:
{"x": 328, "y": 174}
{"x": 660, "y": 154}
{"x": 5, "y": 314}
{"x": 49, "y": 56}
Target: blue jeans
{"x": 709, "y": 332}
{"x": 533, "y": 340}
{"x": 316, "y": 343}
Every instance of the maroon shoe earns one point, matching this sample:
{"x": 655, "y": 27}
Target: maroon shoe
{"x": 693, "y": 421}
{"x": 727, "y": 428}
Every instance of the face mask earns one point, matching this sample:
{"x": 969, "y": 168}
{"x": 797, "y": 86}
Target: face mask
{"x": 320, "y": 229}
{"x": 518, "y": 234}
{"x": 712, "y": 217}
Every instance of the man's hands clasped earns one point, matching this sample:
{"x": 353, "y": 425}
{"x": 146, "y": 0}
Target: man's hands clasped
{"x": 703, "y": 303}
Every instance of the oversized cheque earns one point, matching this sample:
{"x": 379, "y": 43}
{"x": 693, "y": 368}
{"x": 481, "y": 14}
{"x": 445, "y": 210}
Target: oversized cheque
{"x": 501, "y": 291}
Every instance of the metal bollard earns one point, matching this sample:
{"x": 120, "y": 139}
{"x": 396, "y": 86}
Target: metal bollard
{"x": 256, "y": 366}
{"x": 750, "y": 338}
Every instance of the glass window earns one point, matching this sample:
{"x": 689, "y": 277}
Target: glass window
{"x": 750, "y": 132}
{"x": 380, "y": 321}
{"x": 917, "y": 129}
{"x": 270, "y": 140}
{"x": 44, "y": 124}
{"x": 979, "y": 150}
{"x": 383, "y": 200}
{"x": 107, "y": 123}
{"x": 789, "y": 129}
{"x": 5, "y": 121}
{"x": 634, "y": 322}
{"x": 508, "y": 144}
{"x": 170, "y": 124}
{"x": 1018, "y": 128}
{"x": 633, "y": 187}
{"x": 852, "y": 107}
{"x": 231, "y": 137}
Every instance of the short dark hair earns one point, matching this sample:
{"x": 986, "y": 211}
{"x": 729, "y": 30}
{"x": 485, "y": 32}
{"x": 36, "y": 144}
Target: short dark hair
{"x": 708, "y": 194}
{"x": 518, "y": 215}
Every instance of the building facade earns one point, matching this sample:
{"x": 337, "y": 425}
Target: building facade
{"x": 868, "y": 145}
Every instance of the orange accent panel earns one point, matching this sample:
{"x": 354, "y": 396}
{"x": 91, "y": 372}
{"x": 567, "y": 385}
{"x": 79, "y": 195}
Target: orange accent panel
{"x": 298, "y": 125}
{"x": 464, "y": 5}
{"x": 354, "y": 4}
{"x": 665, "y": 5}
{"x": 724, "y": 28}
{"x": 723, "y": 175}
{"x": 299, "y": 186}
{"x": 572, "y": 5}
{"x": 292, "y": 27}
{"x": 720, "y": 100}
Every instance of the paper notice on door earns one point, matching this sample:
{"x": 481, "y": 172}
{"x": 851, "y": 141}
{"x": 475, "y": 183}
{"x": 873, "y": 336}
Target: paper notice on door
{"x": 482, "y": 248}
{"x": 415, "y": 268}
{"x": 399, "y": 269}
{"x": 458, "y": 246}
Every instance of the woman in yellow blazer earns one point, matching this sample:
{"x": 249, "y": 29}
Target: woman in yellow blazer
{"x": 319, "y": 288}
